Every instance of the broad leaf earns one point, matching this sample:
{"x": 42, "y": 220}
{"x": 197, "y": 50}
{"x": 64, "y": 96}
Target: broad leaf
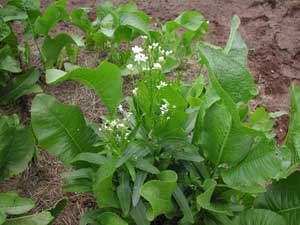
{"x": 54, "y": 13}
{"x": 43, "y": 218}
{"x": 105, "y": 80}
{"x": 19, "y": 86}
{"x": 259, "y": 217}
{"x": 10, "y": 13}
{"x": 4, "y": 29}
{"x": 204, "y": 200}
{"x": 293, "y": 137}
{"x": 158, "y": 193}
{"x": 52, "y": 47}
{"x": 184, "y": 206}
{"x": 138, "y": 214}
{"x": 109, "y": 218}
{"x": 135, "y": 20}
{"x": 79, "y": 18}
{"x": 262, "y": 164}
{"x": 7, "y": 60}
{"x": 12, "y": 203}
{"x": 236, "y": 48}
{"x": 61, "y": 129}
{"x": 16, "y": 147}
{"x": 138, "y": 183}
{"x": 283, "y": 197}
{"x": 260, "y": 120}
{"x": 124, "y": 193}
{"x": 103, "y": 187}
{"x": 233, "y": 77}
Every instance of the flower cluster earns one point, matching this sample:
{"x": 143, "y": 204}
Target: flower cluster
{"x": 161, "y": 85}
{"x": 165, "y": 109}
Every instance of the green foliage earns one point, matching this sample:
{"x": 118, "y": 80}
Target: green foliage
{"x": 16, "y": 148}
{"x": 12, "y": 204}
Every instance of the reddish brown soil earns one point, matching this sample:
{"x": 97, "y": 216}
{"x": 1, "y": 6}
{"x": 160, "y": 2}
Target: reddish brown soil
{"x": 271, "y": 29}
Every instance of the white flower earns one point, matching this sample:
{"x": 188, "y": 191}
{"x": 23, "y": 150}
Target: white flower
{"x": 144, "y": 37}
{"x": 169, "y": 52}
{"x": 113, "y": 123}
{"x": 134, "y": 91}
{"x": 207, "y": 21}
{"x": 157, "y": 66}
{"x": 161, "y": 59}
{"x": 162, "y": 51}
{"x": 161, "y": 85}
{"x": 136, "y": 49}
{"x": 164, "y": 108}
{"x": 150, "y": 47}
{"x": 155, "y": 45}
{"x": 120, "y": 125}
{"x": 140, "y": 58}
{"x": 168, "y": 118}
{"x": 120, "y": 108}
{"x": 129, "y": 66}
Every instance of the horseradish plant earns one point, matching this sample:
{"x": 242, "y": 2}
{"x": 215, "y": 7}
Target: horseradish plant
{"x": 176, "y": 153}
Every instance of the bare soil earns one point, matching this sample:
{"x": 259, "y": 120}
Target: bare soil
{"x": 271, "y": 29}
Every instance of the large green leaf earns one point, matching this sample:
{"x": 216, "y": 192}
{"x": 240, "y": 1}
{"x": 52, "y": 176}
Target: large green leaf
{"x": 110, "y": 218}
{"x": 204, "y": 200}
{"x": 4, "y": 29}
{"x": 262, "y": 164}
{"x": 19, "y": 86}
{"x": 293, "y": 137}
{"x": 12, "y": 203}
{"x": 61, "y": 129}
{"x": 135, "y": 20}
{"x": 236, "y": 48}
{"x": 158, "y": 193}
{"x": 43, "y": 218}
{"x": 233, "y": 77}
{"x": 10, "y": 13}
{"x": 261, "y": 120}
{"x": 103, "y": 187}
{"x": 16, "y": 146}
{"x": 106, "y": 80}
{"x": 79, "y": 18}
{"x": 259, "y": 217}
{"x": 54, "y": 13}
{"x": 52, "y": 47}
{"x": 224, "y": 139}
{"x": 7, "y": 60}
{"x": 283, "y": 197}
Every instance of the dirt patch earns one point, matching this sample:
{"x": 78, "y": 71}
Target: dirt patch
{"x": 271, "y": 29}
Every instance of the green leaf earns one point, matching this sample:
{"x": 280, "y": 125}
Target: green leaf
{"x": 190, "y": 20}
{"x": 138, "y": 214}
{"x": 259, "y": 217}
{"x": 12, "y": 203}
{"x": 85, "y": 159}
{"x": 55, "y": 12}
{"x": 138, "y": 183}
{"x": 61, "y": 129}
{"x": 16, "y": 147}
{"x": 79, "y": 18}
{"x": 146, "y": 165}
{"x": 158, "y": 193}
{"x": 19, "y": 86}
{"x": 109, "y": 218}
{"x": 234, "y": 78}
{"x": 10, "y": 13}
{"x": 283, "y": 197}
{"x": 124, "y": 193}
{"x": 204, "y": 199}
{"x": 236, "y": 48}
{"x": 103, "y": 187}
{"x": 106, "y": 80}
{"x": 292, "y": 140}
{"x": 4, "y": 29}
{"x": 184, "y": 206}
{"x": 29, "y": 5}
{"x": 52, "y": 47}
{"x": 7, "y": 60}
{"x": 261, "y": 165}
{"x": 2, "y": 217}
{"x": 225, "y": 140}
{"x": 135, "y": 20}
{"x": 43, "y": 218}
{"x": 260, "y": 120}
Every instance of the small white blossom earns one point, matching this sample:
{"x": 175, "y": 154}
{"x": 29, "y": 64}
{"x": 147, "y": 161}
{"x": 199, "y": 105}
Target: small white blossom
{"x": 120, "y": 125}
{"x": 129, "y": 66}
{"x": 161, "y": 85}
{"x": 113, "y": 123}
{"x": 207, "y": 21}
{"x": 169, "y": 52}
{"x": 162, "y": 51}
{"x": 161, "y": 59}
{"x": 144, "y": 37}
{"x": 136, "y": 49}
{"x": 150, "y": 47}
{"x": 164, "y": 108}
{"x": 140, "y": 58}
{"x": 168, "y": 118}
{"x": 156, "y": 66}
{"x": 134, "y": 91}
{"x": 155, "y": 45}
{"x": 120, "y": 108}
